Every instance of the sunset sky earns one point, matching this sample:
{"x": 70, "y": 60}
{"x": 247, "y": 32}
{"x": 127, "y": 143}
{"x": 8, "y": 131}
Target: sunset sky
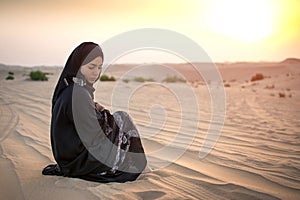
{"x": 35, "y": 32}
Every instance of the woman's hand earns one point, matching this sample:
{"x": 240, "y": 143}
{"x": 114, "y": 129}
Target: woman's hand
{"x": 99, "y": 107}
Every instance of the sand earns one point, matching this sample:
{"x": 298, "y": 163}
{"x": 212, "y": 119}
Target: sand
{"x": 257, "y": 155}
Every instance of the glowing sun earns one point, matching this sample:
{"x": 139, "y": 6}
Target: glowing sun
{"x": 244, "y": 20}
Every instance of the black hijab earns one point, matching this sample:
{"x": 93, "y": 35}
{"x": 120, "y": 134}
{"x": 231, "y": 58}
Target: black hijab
{"x": 81, "y": 55}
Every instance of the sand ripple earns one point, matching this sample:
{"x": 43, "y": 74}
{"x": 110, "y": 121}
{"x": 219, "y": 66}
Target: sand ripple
{"x": 256, "y": 157}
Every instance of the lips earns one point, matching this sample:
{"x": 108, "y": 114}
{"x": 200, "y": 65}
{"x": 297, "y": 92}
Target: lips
{"x": 94, "y": 78}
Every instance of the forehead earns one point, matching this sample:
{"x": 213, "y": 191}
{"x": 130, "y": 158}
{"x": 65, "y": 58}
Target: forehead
{"x": 97, "y": 60}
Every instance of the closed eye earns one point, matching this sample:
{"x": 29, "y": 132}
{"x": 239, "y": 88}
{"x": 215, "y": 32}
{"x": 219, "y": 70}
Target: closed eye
{"x": 92, "y": 66}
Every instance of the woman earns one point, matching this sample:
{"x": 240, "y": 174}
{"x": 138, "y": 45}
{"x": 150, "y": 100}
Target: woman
{"x": 87, "y": 141}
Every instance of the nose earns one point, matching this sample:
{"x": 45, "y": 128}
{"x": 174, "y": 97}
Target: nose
{"x": 96, "y": 71}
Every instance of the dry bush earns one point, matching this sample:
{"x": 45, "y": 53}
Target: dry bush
{"x": 142, "y": 79}
{"x": 257, "y": 77}
{"x": 105, "y": 77}
{"x": 174, "y": 79}
{"x": 38, "y": 76}
{"x": 9, "y": 77}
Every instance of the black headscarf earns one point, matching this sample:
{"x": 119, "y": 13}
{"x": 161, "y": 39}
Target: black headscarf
{"x": 81, "y": 55}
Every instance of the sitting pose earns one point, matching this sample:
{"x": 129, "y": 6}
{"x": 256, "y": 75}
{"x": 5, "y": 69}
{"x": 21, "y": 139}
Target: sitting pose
{"x": 87, "y": 141}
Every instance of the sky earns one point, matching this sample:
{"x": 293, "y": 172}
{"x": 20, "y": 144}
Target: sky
{"x": 35, "y": 32}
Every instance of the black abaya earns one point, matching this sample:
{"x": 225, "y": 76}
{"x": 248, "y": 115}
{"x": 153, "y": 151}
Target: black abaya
{"x": 88, "y": 144}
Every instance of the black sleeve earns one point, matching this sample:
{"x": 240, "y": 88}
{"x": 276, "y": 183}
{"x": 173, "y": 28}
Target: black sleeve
{"x": 88, "y": 128}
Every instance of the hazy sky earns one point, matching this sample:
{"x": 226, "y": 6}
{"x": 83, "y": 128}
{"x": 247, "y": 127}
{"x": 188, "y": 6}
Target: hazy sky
{"x": 37, "y": 32}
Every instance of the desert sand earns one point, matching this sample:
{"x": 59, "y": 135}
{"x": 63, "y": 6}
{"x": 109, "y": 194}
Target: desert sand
{"x": 257, "y": 155}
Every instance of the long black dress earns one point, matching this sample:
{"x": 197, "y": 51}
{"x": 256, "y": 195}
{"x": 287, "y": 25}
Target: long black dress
{"x": 88, "y": 144}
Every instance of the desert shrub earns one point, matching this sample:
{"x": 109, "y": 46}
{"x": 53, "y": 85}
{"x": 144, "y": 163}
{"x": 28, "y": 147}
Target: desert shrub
{"x": 125, "y": 80}
{"x": 173, "y": 79}
{"x": 139, "y": 79}
{"x": 281, "y": 95}
{"x": 105, "y": 77}
{"x": 10, "y": 77}
{"x": 38, "y": 76}
{"x": 226, "y": 85}
{"x": 142, "y": 79}
{"x": 257, "y": 77}
{"x": 11, "y": 73}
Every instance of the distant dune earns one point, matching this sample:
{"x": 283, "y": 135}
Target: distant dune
{"x": 291, "y": 61}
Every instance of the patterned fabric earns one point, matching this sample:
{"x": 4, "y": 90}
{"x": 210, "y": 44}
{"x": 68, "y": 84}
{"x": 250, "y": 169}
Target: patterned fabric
{"x": 120, "y": 129}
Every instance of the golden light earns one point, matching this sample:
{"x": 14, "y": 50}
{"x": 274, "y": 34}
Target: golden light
{"x": 244, "y": 20}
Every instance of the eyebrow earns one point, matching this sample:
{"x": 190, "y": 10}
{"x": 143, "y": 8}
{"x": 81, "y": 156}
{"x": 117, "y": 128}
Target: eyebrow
{"x": 95, "y": 65}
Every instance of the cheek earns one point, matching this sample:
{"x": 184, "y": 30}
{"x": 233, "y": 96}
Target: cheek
{"x": 85, "y": 72}
{"x": 82, "y": 70}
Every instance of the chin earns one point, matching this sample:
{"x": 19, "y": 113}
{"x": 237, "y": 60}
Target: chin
{"x": 94, "y": 81}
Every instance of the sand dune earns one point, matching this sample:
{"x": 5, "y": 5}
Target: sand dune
{"x": 256, "y": 157}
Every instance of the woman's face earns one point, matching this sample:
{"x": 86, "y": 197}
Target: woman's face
{"x": 92, "y": 70}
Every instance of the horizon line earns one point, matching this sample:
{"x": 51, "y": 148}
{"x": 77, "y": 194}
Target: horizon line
{"x": 148, "y": 63}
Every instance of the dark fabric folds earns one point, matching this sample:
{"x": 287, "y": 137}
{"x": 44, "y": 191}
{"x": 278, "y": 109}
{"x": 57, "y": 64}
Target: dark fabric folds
{"x": 104, "y": 147}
